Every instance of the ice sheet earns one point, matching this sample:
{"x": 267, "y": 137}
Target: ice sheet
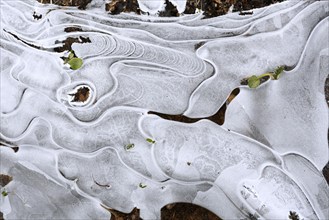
{"x": 75, "y": 157}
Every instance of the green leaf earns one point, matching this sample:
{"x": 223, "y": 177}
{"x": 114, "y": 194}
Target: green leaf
{"x": 4, "y": 193}
{"x": 75, "y": 63}
{"x": 278, "y": 71}
{"x": 129, "y": 146}
{"x": 253, "y": 81}
{"x": 71, "y": 55}
{"x": 150, "y": 140}
{"x": 142, "y": 185}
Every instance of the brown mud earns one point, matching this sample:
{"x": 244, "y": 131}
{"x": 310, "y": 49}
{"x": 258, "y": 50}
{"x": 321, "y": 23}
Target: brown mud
{"x": 81, "y": 95}
{"x": 5, "y": 179}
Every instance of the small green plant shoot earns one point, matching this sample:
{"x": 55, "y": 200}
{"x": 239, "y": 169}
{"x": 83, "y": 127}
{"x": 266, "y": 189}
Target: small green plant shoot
{"x": 150, "y": 140}
{"x": 130, "y": 146}
{"x": 74, "y": 62}
{"x": 142, "y": 185}
{"x": 4, "y": 193}
{"x": 254, "y": 81}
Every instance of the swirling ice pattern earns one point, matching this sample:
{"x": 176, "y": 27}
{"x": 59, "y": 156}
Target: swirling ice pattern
{"x": 265, "y": 161}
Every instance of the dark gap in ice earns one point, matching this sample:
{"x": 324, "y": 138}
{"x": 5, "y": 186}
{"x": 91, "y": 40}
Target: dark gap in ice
{"x": 246, "y": 13}
{"x": 117, "y": 215}
{"x": 179, "y": 211}
{"x": 293, "y": 215}
{"x": 253, "y": 216}
{"x": 67, "y": 43}
{"x": 325, "y": 172}
{"x": 169, "y": 11}
{"x": 326, "y": 90}
{"x": 218, "y": 117}
{"x": 5, "y": 179}
{"x": 198, "y": 45}
{"x": 72, "y": 179}
{"x": 81, "y": 95}
{"x": 106, "y": 185}
{"x": 179, "y": 118}
{"x": 4, "y": 143}
{"x": 35, "y": 16}
{"x": 15, "y": 36}
{"x": 173, "y": 211}
{"x": 72, "y": 29}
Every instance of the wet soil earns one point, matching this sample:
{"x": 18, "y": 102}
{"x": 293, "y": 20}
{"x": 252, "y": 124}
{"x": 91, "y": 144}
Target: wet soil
{"x": 174, "y": 211}
{"x": 116, "y": 215}
{"x": 81, "y": 95}
{"x": 5, "y": 179}
{"x": 186, "y": 211}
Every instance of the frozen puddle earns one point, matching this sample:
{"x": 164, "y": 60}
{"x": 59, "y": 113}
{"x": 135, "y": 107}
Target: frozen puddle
{"x": 84, "y": 140}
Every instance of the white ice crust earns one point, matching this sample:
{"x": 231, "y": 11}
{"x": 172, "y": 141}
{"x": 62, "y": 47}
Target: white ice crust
{"x": 265, "y": 161}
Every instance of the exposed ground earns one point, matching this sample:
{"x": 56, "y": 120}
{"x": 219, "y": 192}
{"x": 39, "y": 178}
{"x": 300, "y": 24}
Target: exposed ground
{"x": 211, "y": 8}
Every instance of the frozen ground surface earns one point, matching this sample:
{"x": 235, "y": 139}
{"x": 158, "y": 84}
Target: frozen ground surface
{"x": 264, "y": 161}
